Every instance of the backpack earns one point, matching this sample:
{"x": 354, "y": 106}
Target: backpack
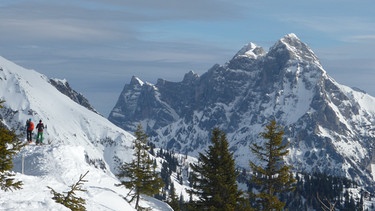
{"x": 31, "y": 126}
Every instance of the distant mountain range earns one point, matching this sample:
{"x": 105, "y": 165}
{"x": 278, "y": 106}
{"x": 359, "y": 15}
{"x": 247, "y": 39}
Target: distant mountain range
{"x": 330, "y": 127}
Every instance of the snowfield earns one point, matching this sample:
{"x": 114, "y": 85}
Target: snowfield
{"x": 76, "y": 140}
{"x": 59, "y": 167}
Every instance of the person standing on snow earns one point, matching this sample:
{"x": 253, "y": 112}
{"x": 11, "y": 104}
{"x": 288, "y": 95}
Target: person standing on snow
{"x": 39, "y": 137}
{"x": 29, "y": 130}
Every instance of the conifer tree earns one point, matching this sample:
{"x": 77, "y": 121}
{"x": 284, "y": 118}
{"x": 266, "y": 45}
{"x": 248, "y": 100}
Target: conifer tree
{"x": 9, "y": 146}
{"x": 69, "y": 199}
{"x": 214, "y": 177}
{"x": 173, "y": 199}
{"x": 140, "y": 174}
{"x": 273, "y": 177}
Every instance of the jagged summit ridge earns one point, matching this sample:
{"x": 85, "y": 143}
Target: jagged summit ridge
{"x": 136, "y": 81}
{"x": 190, "y": 77}
{"x": 64, "y": 87}
{"x": 291, "y": 45}
{"x": 325, "y": 122}
{"x": 250, "y": 50}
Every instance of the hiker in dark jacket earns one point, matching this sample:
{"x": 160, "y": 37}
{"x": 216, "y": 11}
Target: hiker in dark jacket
{"x": 39, "y": 137}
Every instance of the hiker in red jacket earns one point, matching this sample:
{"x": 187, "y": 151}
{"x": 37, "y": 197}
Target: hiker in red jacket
{"x": 29, "y": 130}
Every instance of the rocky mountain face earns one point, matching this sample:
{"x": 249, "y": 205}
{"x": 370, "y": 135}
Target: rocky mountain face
{"x": 64, "y": 87}
{"x": 330, "y": 127}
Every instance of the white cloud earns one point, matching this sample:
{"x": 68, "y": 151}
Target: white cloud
{"x": 40, "y": 29}
{"x": 370, "y": 38}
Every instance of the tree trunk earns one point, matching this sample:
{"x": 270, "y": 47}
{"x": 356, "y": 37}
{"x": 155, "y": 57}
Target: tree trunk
{"x": 137, "y": 201}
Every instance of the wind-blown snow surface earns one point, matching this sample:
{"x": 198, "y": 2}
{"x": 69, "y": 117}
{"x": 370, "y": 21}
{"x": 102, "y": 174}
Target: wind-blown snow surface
{"x": 80, "y": 141}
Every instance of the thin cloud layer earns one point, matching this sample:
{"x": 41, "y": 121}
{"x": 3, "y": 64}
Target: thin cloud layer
{"x": 97, "y": 45}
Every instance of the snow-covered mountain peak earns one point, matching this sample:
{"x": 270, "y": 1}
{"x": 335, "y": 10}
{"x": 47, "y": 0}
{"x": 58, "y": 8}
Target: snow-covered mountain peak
{"x": 290, "y": 47}
{"x": 291, "y": 36}
{"x": 324, "y": 121}
{"x": 190, "y": 77}
{"x": 251, "y": 50}
{"x": 136, "y": 81}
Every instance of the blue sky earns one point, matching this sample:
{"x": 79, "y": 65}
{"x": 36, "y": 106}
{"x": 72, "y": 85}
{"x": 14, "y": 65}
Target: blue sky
{"x": 98, "y": 45}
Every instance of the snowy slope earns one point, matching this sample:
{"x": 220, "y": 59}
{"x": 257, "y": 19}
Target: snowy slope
{"x": 80, "y": 141}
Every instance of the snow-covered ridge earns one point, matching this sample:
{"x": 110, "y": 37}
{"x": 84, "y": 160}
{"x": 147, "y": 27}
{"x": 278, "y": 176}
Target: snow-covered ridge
{"x": 250, "y": 50}
{"x": 64, "y": 87}
{"x": 76, "y": 140}
{"x": 30, "y": 95}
